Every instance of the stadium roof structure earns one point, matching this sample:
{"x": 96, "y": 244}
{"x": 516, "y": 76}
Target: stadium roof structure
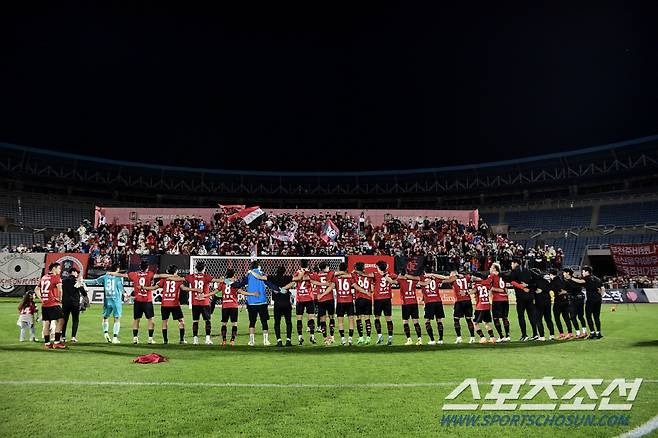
{"x": 37, "y": 169}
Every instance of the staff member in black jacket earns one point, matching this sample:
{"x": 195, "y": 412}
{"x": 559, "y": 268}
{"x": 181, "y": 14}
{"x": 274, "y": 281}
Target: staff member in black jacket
{"x": 282, "y": 304}
{"x": 524, "y": 298}
{"x": 72, "y": 291}
{"x": 543, "y": 304}
{"x": 594, "y": 291}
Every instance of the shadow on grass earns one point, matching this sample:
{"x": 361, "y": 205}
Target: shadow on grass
{"x": 646, "y": 343}
{"x": 135, "y": 350}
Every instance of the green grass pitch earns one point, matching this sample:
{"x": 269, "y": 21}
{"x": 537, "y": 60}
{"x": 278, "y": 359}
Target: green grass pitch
{"x": 345, "y": 391}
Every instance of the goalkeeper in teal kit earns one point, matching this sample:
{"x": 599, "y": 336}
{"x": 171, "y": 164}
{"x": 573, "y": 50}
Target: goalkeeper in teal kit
{"x": 112, "y": 301}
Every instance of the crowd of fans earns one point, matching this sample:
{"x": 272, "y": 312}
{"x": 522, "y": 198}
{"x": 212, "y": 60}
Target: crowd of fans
{"x": 446, "y": 243}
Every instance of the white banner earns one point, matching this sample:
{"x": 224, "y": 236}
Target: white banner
{"x": 652, "y": 295}
{"x": 18, "y": 269}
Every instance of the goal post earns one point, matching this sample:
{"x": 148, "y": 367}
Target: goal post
{"x": 217, "y": 265}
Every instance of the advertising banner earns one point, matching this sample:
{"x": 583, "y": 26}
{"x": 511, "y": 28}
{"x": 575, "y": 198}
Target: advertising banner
{"x": 20, "y": 269}
{"x": 68, "y": 261}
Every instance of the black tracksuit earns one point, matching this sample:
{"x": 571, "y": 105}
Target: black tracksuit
{"x": 593, "y": 303}
{"x": 71, "y": 304}
{"x": 524, "y": 300}
{"x": 543, "y": 306}
{"x": 561, "y": 305}
{"x": 578, "y": 300}
{"x": 282, "y": 305}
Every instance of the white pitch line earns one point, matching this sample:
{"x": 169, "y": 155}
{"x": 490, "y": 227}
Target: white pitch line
{"x": 242, "y": 385}
{"x": 642, "y": 430}
{"x": 231, "y": 385}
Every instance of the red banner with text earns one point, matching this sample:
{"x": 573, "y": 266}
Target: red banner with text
{"x": 68, "y": 261}
{"x": 635, "y": 258}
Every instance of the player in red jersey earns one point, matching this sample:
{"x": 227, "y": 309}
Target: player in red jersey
{"x": 49, "y": 291}
{"x": 433, "y": 304}
{"x": 230, "y": 292}
{"x": 201, "y": 300}
{"x": 363, "y": 301}
{"x": 143, "y": 305}
{"x": 500, "y": 306}
{"x": 343, "y": 283}
{"x": 408, "y": 285}
{"x": 382, "y": 282}
{"x": 304, "y": 301}
{"x": 170, "y": 306}
{"x": 482, "y": 291}
{"x": 323, "y": 281}
{"x": 463, "y": 306}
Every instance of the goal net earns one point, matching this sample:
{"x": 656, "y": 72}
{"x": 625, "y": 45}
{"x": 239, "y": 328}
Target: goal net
{"x": 217, "y": 265}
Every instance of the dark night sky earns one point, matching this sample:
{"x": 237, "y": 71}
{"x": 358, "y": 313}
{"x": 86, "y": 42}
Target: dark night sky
{"x": 378, "y": 87}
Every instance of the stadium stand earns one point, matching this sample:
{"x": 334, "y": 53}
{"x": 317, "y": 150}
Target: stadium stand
{"x": 550, "y": 220}
{"x": 629, "y": 214}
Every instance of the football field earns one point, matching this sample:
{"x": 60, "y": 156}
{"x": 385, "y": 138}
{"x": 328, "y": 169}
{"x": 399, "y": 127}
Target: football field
{"x": 93, "y": 389}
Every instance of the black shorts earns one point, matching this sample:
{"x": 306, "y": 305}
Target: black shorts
{"x": 383, "y": 306}
{"x": 343, "y": 309}
{"x": 256, "y": 311}
{"x": 52, "y": 313}
{"x": 500, "y": 309}
{"x": 143, "y": 308}
{"x": 305, "y": 306}
{"x": 326, "y": 308}
{"x": 463, "y": 309}
{"x": 409, "y": 311}
{"x": 198, "y": 311}
{"x": 230, "y": 314}
{"x": 434, "y": 310}
{"x": 363, "y": 306}
{"x": 175, "y": 312}
{"x": 482, "y": 316}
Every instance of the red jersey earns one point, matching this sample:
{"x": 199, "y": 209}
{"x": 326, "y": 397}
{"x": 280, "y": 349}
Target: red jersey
{"x": 343, "y": 289}
{"x": 170, "y": 292}
{"x": 496, "y": 281}
{"x": 303, "y": 290}
{"x": 30, "y": 309}
{"x": 50, "y": 296}
{"x": 325, "y": 278}
{"x": 408, "y": 290}
{"x": 460, "y": 287}
{"x": 382, "y": 288}
{"x": 141, "y": 279}
{"x": 199, "y": 281}
{"x": 483, "y": 295}
{"x": 430, "y": 290}
{"x": 229, "y": 297}
{"x": 364, "y": 282}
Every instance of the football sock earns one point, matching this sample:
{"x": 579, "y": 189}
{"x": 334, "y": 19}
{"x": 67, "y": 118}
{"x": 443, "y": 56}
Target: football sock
{"x": 311, "y": 326}
{"x": 490, "y": 333}
{"x": 407, "y": 330}
{"x": 234, "y": 332}
{"x": 115, "y": 328}
{"x": 499, "y": 328}
{"x": 135, "y": 331}
{"x": 164, "y": 335}
{"x": 151, "y": 333}
{"x": 105, "y": 326}
{"x": 480, "y": 334}
{"x": 417, "y": 328}
{"x": 378, "y": 326}
{"x": 299, "y": 327}
{"x": 332, "y": 326}
{"x": 389, "y": 327}
{"x": 458, "y": 327}
{"x": 368, "y": 327}
{"x": 195, "y": 328}
{"x": 506, "y": 326}
{"x": 223, "y": 330}
{"x": 428, "y": 329}
{"x": 208, "y": 328}
{"x": 471, "y": 328}
{"x": 439, "y": 325}
{"x": 359, "y": 327}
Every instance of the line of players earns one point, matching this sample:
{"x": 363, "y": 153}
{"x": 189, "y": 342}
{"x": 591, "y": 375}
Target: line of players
{"x": 357, "y": 293}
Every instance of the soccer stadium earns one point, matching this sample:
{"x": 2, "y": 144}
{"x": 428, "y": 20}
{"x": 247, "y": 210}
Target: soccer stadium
{"x": 334, "y": 281}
